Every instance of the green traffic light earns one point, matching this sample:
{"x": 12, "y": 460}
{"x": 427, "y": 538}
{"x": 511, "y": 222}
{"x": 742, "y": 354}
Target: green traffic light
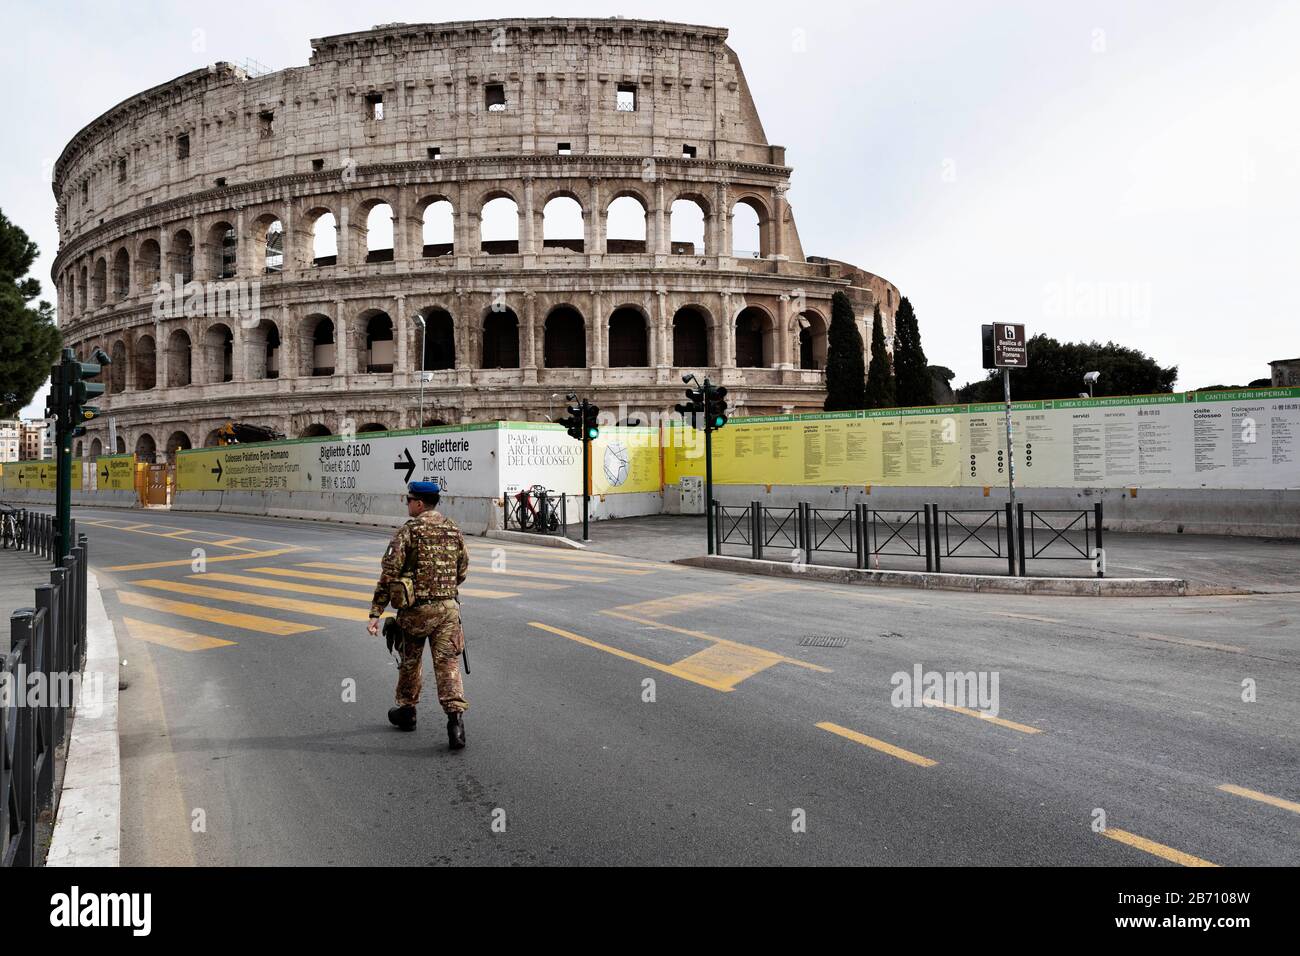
{"x": 593, "y": 433}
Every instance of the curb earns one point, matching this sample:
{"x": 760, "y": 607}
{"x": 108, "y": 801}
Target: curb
{"x": 943, "y": 581}
{"x": 528, "y": 537}
{"x": 87, "y": 830}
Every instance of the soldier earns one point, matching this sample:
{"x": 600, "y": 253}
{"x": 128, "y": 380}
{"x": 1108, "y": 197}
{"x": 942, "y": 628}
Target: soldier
{"x": 425, "y": 563}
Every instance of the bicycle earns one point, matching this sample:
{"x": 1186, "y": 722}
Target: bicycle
{"x": 13, "y": 528}
{"x": 541, "y": 518}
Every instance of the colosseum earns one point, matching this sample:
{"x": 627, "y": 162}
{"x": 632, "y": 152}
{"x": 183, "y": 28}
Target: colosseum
{"x": 441, "y": 223}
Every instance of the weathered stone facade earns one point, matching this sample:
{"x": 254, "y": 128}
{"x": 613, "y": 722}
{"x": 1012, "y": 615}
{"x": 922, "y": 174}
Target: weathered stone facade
{"x": 233, "y": 182}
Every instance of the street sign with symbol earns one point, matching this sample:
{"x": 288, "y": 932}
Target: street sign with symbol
{"x": 1009, "y": 346}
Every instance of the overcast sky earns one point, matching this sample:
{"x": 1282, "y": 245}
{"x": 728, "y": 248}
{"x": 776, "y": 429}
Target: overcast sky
{"x": 1095, "y": 170}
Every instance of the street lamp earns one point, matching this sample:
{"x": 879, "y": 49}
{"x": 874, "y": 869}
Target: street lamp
{"x": 419, "y": 320}
{"x": 1091, "y": 379}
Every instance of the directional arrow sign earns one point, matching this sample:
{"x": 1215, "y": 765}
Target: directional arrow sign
{"x": 408, "y": 465}
{"x": 104, "y": 474}
{"x": 217, "y": 471}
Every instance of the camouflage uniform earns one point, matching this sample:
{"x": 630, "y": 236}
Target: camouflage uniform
{"x": 430, "y": 549}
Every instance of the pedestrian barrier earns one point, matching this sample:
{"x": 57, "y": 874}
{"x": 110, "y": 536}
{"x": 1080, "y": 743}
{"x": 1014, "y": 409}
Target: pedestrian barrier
{"x": 48, "y": 647}
{"x": 933, "y": 534}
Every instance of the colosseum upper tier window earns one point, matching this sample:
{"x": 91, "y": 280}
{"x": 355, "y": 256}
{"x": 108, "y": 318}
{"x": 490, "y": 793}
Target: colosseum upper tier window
{"x": 375, "y": 106}
{"x": 494, "y": 97}
{"x": 183, "y": 146}
{"x": 626, "y": 102}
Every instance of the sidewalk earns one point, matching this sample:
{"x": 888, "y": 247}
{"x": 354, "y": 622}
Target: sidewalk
{"x": 20, "y": 574}
{"x": 1204, "y": 561}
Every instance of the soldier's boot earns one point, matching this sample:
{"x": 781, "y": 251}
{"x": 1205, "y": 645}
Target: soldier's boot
{"x": 455, "y": 731}
{"x": 403, "y": 718}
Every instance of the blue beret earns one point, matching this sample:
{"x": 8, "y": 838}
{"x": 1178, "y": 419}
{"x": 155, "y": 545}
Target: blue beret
{"x": 423, "y": 488}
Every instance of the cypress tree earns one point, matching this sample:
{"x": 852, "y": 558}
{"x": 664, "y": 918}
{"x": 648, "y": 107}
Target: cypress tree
{"x": 846, "y": 379}
{"x": 880, "y": 375}
{"x": 912, "y": 380}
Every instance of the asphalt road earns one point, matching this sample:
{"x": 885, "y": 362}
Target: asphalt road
{"x": 241, "y": 743}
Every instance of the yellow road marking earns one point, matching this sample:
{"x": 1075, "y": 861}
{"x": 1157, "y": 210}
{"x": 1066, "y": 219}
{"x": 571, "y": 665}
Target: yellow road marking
{"x": 1155, "y": 849}
{"x": 587, "y": 557}
{"x": 626, "y": 655}
{"x": 216, "y": 615}
{"x": 370, "y": 582}
{"x": 1189, "y": 642}
{"x": 226, "y": 542}
{"x": 1028, "y": 617}
{"x": 710, "y": 637}
{"x": 880, "y": 745}
{"x": 726, "y": 665}
{"x": 1010, "y": 724}
{"x": 1261, "y": 797}
{"x": 186, "y": 562}
{"x": 331, "y": 566}
{"x": 262, "y": 600}
{"x": 680, "y": 603}
{"x": 327, "y": 592}
{"x": 222, "y": 539}
{"x": 170, "y": 637}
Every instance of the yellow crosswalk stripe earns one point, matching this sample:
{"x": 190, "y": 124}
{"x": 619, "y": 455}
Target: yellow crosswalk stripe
{"x": 334, "y": 566}
{"x": 726, "y": 665}
{"x": 573, "y": 557}
{"x": 171, "y": 637}
{"x": 325, "y": 591}
{"x": 478, "y": 577}
{"x": 215, "y": 615}
{"x": 186, "y": 562}
{"x": 316, "y": 608}
{"x": 1261, "y": 797}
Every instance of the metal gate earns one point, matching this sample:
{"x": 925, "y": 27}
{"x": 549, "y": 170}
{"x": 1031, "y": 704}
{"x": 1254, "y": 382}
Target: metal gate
{"x": 157, "y": 481}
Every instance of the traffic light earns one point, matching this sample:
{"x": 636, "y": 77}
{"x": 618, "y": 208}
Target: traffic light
{"x": 573, "y": 423}
{"x": 717, "y": 411}
{"x": 82, "y": 390}
{"x": 590, "y": 428}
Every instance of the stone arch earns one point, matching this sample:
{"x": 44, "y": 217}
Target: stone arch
{"x": 750, "y": 225}
{"x": 627, "y": 223}
{"x": 436, "y": 215}
{"x": 99, "y": 283}
{"x": 564, "y": 338}
{"x": 372, "y": 427}
{"x": 148, "y": 260}
{"x": 262, "y": 350}
{"x": 117, "y": 370}
{"x": 213, "y": 439}
{"x": 319, "y": 350}
{"x": 498, "y": 223}
{"x": 96, "y": 448}
{"x": 83, "y": 286}
{"x": 180, "y": 257}
{"x": 121, "y": 274}
{"x": 500, "y": 339}
{"x": 691, "y": 338}
{"x": 218, "y": 354}
{"x": 268, "y": 244}
{"x": 380, "y": 349}
{"x": 376, "y": 221}
{"x": 223, "y": 250}
{"x": 755, "y": 338}
{"x": 121, "y": 445}
{"x": 439, "y": 341}
{"x": 812, "y": 340}
{"x": 562, "y": 222}
{"x": 145, "y": 362}
{"x": 314, "y": 430}
{"x": 179, "y": 359}
{"x": 320, "y": 238}
{"x": 629, "y": 337}
{"x": 177, "y": 441}
{"x": 146, "y": 449}
{"x": 688, "y": 226}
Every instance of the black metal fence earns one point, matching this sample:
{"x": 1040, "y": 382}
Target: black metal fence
{"x": 930, "y": 533}
{"x": 542, "y": 513}
{"x": 47, "y": 647}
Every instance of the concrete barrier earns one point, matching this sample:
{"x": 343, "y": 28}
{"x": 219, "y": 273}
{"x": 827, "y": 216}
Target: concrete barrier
{"x": 473, "y": 515}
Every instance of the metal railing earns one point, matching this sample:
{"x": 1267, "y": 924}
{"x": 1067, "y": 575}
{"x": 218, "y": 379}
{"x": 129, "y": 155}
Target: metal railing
{"x": 549, "y": 514}
{"x": 48, "y": 647}
{"x": 37, "y": 532}
{"x": 930, "y": 533}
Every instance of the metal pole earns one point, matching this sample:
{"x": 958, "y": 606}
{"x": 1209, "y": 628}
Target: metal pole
{"x": 420, "y": 319}
{"x": 1011, "y": 461}
{"x": 708, "y": 478}
{"x": 586, "y": 472}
